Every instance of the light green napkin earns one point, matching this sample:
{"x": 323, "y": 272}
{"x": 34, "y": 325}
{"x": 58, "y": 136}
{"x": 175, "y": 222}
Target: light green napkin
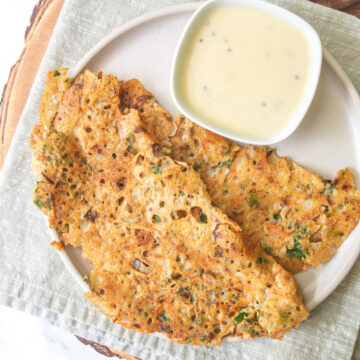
{"x": 32, "y": 277}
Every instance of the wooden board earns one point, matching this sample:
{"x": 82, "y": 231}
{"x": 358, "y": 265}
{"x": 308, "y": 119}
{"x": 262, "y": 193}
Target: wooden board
{"x": 22, "y": 75}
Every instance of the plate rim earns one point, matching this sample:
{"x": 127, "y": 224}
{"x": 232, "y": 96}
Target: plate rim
{"x": 187, "y": 7}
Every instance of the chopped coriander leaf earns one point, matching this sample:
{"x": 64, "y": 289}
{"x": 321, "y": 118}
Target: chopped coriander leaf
{"x": 276, "y": 216}
{"x": 239, "y": 317}
{"x": 181, "y": 193}
{"x": 197, "y": 165}
{"x": 217, "y": 330}
{"x": 203, "y": 218}
{"x": 268, "y": 250}
{"x": 287, "y": 214}
{"x": 57, "y": 73}
{"x": 38, "y": 203}
{"x": 114, "y": 156}
{"x": 297, "y": 250}
{"x": 157, "y": 169}
{"x": 259, "y": 260}
{"x": 146, "y": 314}
{"x": 224, "y": 163}
{"x": 329, "y": 189}
{"x": 254, "y": 332}
{"x": 164, "y": 318}
{"x": 251, "y": 199}
{"x": 156, "y": 218}
{"x": 189, "y": 341}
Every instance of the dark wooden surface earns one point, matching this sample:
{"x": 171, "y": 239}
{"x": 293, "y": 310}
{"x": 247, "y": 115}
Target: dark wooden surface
{"x": 22, "y": 75}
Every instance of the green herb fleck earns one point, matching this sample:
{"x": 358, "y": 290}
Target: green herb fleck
{"x": 251, "y": 199}
{"x": 203, "y": 218}
{"x": 146, "y": 314}
{"x": 165, "y": 318}
{"x": 114, "y": 156}
{"x": 276, "y": 216}
{"x": 329, "y": 189}
{"x": 259, "y": 260}
{"x": 57, "y": 73}
{"x": 197, "y": 165}
{"x": 181, "y": 193}
{"x": 239, "y": 317}
{"x": 254, "y": 332}
{"x": 157, "y": 169}
{"x": 268, "y": 250}
{"x": 41, "y": 204}
{"x": 287, "y": 214}
{"x": 224, "y": 163}
{"x": 166, "y": 151}
{"x": 217, "y": 330}
{"x": 297, "y": 250}
{"x": 156, "y": 218}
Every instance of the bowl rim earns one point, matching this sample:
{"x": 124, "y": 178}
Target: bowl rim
{"x": 315, "y": 65}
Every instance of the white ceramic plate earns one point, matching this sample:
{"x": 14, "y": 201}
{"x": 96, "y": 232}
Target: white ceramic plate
{"x": 327, "y": 139}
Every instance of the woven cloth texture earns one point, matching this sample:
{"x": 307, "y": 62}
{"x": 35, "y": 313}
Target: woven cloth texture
{"x": 32, "y": 276}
